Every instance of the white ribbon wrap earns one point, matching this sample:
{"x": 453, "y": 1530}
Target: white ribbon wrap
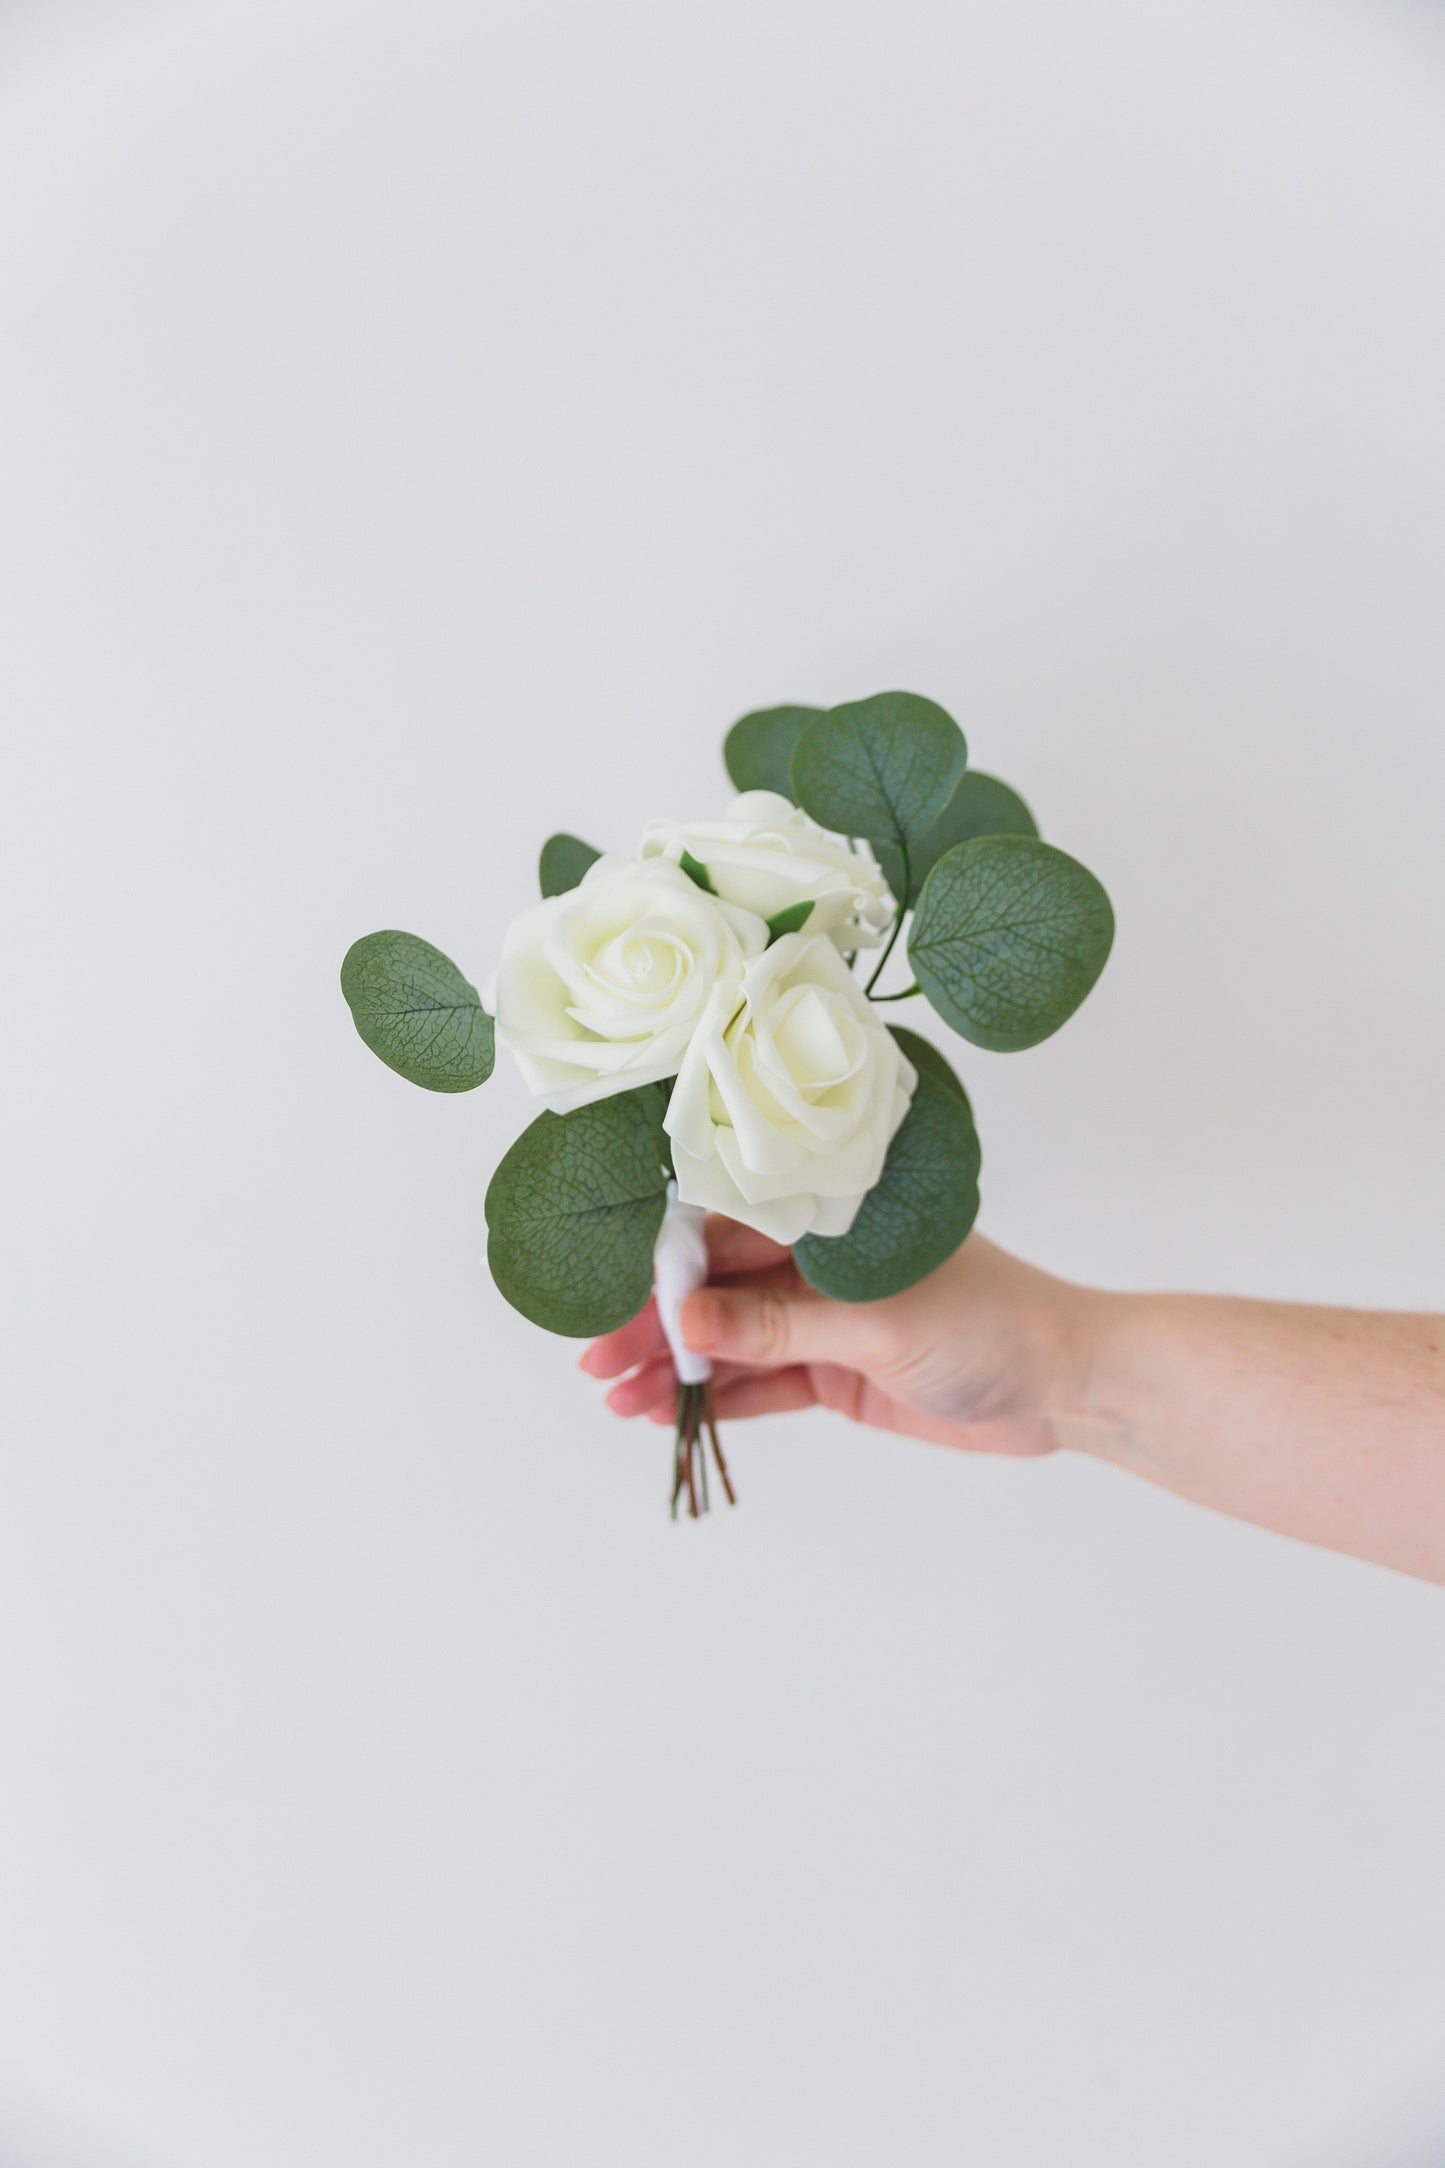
{"x": 679, "y": 1264}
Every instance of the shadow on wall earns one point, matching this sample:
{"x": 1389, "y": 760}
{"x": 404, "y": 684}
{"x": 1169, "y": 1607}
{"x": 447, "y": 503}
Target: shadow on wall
{"x": 29, "y": 2142}
{"x": 25, "y": 2144}
{"x": 1405, "y": 2140}
{"x": 1425, "y": 2149}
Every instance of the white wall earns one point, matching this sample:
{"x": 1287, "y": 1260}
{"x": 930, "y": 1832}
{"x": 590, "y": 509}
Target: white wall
{"x": 429, "y": 425}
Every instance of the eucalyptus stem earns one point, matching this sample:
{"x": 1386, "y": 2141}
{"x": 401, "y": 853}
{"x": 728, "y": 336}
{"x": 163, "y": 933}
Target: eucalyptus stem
{"x": 897, "y": 929}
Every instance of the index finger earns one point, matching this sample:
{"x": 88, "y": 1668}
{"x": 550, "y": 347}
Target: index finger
{"x": 635, "y": 1342}
{"x": 731, "y": 1248}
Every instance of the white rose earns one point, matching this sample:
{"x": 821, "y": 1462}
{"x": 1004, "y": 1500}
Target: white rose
{"x": 786, "y": 1102}
{"x": 764, "y": 854}
{"x": 600, "y": 989}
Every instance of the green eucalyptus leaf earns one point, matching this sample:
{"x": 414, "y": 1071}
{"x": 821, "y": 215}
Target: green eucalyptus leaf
{"x": 927, "y": 1060}
{"x": 413, "y": 1007}
{"x": 1008, "y": 938}
{"x": 981, "y": 806}
{"x": 697, "y": 872}
{"x": 758, "y": 750}
{"x": 563, "y": 862}
{"x": 883, "y": 768}
{"x": 791, "y": 919}
{"x": 890, "y": 860}
{"x": 573, "y": 1212}
{"x": 916, "y": 1214}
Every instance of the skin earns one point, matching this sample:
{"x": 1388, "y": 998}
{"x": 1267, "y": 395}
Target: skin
{"x": 1327, "y": 1425}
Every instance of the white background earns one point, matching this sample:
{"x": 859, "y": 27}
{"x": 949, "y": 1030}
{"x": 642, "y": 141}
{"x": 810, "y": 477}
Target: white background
{"x": 428, "y": 425}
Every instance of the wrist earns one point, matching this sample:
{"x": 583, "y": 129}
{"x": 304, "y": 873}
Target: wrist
{"x": 1092, "y": 1388}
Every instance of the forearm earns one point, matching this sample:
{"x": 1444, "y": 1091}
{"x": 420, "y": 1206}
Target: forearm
{"x": 1328, "y": 1425}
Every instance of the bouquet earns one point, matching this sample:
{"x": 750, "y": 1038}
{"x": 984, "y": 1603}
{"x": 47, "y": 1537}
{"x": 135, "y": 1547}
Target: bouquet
{"x": 703, "y": 1023}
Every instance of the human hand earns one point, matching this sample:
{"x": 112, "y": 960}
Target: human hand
{"x": 986, "y": 1353}
{"x": 1323, "y": 1424}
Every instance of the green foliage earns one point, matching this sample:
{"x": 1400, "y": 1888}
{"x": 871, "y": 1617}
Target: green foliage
{"x": 697, "y": 872}
{"x": 563, "y": 862}
{"x": 758, "y": 750}
{"x": 927, "y": 1060}
{"x": 981, "y": 806}
{"x": 1008, "y": 935}
{"x": 413, "y": 1007}
{"x": 890, "y": 859}
{"x": 1008, "y": 938}
{"x": 791, "y": 919}
{"x": 573, "y": 1213}
{"x": 917, "y": 1213}
{"x": 883, "y": 768}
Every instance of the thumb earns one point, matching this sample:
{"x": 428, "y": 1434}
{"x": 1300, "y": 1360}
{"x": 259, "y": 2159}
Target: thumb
{"x": 771, "y": 1326}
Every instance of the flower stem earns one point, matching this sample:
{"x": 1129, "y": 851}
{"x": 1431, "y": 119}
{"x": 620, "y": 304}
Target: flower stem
{"x": 677, "y": 1456}
{"x": 695, "y": 1428}
{"x": 897, "y": 929}
{"x": 717, "y": 1451}
{"x": 701, "y": 1448}
{"x": 689, "y": 1440}
{"x": 906, "y": 995}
